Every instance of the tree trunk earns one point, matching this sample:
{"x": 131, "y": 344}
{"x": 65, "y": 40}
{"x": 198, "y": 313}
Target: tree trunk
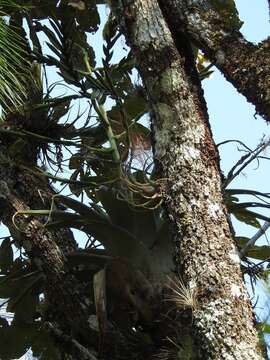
{"x": 186, "y": 156}
{"x": 20, "y": 191}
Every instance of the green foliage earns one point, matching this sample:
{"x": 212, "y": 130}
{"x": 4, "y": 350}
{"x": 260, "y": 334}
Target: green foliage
{"x": 6, "y": 255}
{"x": 21, "y": 285}
{"x": 14, "y": 67}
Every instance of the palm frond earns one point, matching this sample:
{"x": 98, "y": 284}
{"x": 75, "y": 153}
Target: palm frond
{"x": 14, "y": 66}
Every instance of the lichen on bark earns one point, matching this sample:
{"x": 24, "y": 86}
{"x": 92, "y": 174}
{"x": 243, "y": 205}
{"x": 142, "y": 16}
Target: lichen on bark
{"x": 186, "y": 156}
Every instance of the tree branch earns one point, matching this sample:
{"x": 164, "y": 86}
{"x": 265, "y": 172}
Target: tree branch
{"x": 69, "y": 341}
{"x": 243, "y": 63}
{"x": 253, "y": 239}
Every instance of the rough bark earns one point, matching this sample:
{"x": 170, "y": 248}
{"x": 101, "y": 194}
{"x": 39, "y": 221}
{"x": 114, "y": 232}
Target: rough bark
{"x": 243, "y": 63}
{"x": 206, "y": 256}
{"x": 21, "y": 190}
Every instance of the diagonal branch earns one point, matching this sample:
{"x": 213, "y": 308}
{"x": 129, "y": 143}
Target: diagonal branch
{"x": 217, "y": 33}
{"x": 254, "y": 238}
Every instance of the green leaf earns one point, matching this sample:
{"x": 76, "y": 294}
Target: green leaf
{"x": 60, "y": 110}
{"x": 255, "y": 252}
{"x": 57, "y": 29}
{"x": 75, "y": 161}
{"x": 15, "y": 70}
{"x": 259, "y": 252}
{"x": 241, "y": 240}
{"x": 24, "y": 303}
{"x": 140, "y": 223}
{"x": 88, "y": 19}
{"x": 17, "y": 283}
{"x": 53, "y": 39}
{"x": 115, "y": 238}
{"x": 68, "y": 76}
{"x": 80, "y": 207}
{"x": 266, "y": 328}
{"x": 6, "y": 255}
{"x": 136, "y": 105}
{"x": 55, "y": 50}
{"x": 76, "y": 189}
{"x": 246, "y": 216}
{"x": 109, "y": 29}
{"x": 92, "y": 259}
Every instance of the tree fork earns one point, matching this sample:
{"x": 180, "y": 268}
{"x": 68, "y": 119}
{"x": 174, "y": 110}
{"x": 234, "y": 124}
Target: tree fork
{"x": 243, "y": 63}
{"x": 206, "y": 255}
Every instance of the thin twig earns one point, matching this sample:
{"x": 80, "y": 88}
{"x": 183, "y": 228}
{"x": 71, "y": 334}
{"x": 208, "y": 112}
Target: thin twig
{"x": 237, "y": 141}
{"x": 252, "y": 155}
{"x": 254, "y": 238}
